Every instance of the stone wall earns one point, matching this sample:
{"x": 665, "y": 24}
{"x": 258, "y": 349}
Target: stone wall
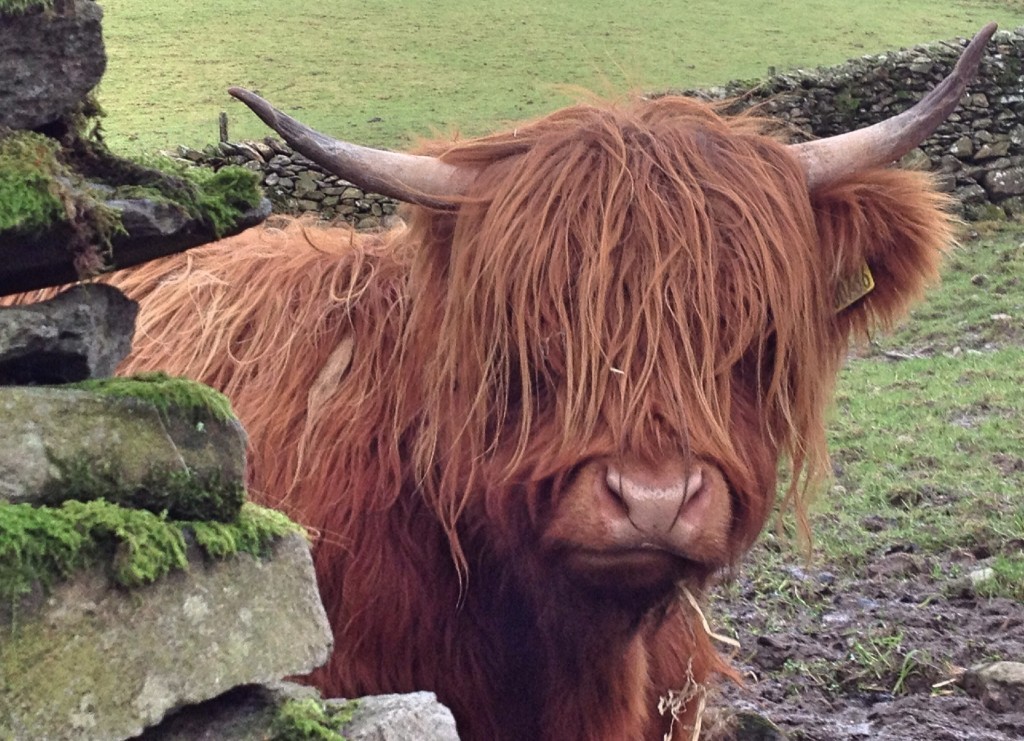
{"x": 978, "y": 152}
{"x": 296, "y": 185}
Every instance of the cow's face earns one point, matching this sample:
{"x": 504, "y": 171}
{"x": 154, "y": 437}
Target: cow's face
{"x": 632, "y": 328}
{"x": 632, "y": 321}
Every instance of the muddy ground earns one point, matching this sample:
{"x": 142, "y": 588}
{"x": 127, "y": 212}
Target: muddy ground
{"x": 829, "y": 657}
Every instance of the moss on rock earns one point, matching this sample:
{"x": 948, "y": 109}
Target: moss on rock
{"x": 43, "y": 545}
{"x": 65, "y": 181}
{"x": 180, "y": 493}
{"x": 164, "y": 392}
{"x": 311, "y": 720}
{"x": 28, "y": 168}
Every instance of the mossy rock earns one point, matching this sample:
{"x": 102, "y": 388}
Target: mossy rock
{"x": 41, "y": 546}
{"x": 74, "y": 209}
{"x": 93, "y": 660}
{"x": 153, "y": 442}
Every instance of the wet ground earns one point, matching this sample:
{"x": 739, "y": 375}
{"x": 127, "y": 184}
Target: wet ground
{"x": 834, "y": 657}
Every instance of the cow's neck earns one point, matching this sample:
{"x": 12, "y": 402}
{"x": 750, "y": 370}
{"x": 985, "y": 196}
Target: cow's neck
{"x": 567, "y": 664}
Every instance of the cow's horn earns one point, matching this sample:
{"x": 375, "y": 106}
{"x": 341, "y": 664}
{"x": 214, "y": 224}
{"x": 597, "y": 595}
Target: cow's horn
{"x": 426, "y": 181}
{"x": 829, "y": 160}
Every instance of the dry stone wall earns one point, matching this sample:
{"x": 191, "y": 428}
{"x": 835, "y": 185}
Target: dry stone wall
{"x": 297, "y": 185}
{"x": 978, "y": 153}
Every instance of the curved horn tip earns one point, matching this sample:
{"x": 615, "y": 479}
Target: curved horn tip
{"x": 986, "y": 33}
{"x": 242, "y": 94}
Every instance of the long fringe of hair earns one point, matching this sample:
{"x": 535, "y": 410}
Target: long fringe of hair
{"x": 626, "y": 272}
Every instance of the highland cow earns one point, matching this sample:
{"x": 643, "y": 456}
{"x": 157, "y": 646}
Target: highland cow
{"x": 531, "y": 425}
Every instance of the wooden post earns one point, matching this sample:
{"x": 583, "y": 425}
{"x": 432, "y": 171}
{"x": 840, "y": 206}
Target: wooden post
{"x": 223, "y": 126}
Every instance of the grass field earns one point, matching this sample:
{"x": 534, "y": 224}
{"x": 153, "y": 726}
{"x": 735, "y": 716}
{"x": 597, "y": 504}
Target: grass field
{"x": 383, "y": 73}
{"x": 926, "y": 432}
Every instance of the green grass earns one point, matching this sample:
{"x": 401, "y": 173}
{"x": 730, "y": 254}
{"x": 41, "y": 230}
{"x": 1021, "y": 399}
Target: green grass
{"x": 980, "y": 304}
{"x": 382, "y": 73}
{"x": 927, "y": 452}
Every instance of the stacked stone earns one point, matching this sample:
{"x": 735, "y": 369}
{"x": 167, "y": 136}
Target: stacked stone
{"x": 978, "y": 153}
{"x": 297, "y": 185}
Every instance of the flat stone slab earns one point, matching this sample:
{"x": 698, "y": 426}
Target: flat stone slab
{"x": 93, "y": 661}
{"x": 152, "y": 230}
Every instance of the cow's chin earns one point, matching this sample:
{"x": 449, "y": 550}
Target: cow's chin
{"x": 638, "y": 578}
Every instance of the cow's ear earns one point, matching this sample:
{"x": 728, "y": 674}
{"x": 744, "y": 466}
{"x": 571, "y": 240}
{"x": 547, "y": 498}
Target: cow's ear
{"x": 884, "y": 233}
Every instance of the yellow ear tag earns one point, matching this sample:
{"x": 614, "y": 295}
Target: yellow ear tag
{"x": 854, "y": 288}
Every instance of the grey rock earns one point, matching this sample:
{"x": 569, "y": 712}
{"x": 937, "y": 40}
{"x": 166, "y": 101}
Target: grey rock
{"x": 145, "y": 218}
{"x": 417, "y": 715}
{"x": 971, "y": 194}
{"x": 246, "y": 714}
{"x": 962, "y": 147}
{"x": 980, "y": 576}
{"x": 48, "y": 435}
{"x": 98, "y": 662}
{"x": 992, "y": 151}
{"x": 1002, "y": 183}
{"x": 999, "y": 686}
{"x": 81, "y": 333}
{"x": 49, "y": 61}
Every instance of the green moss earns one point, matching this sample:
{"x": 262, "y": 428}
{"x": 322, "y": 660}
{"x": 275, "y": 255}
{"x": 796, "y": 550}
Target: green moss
{"x": 165, "y": 393}
{"x": 222, "y": 197}
{"x": 62, "y": 181}
{"x": 28, "y": 169}
{"x": 216, "y": 199}
{"x": 41, "y": 191}
{"x": 181, "y": 493}
{"x": 43, "y": 545}
{"x": 846, "y": 102}
{"x": 310, "y": 720}
{"x": 252, "y": 532}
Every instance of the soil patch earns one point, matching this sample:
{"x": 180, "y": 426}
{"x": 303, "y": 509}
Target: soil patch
{"x": 870, "y": 656}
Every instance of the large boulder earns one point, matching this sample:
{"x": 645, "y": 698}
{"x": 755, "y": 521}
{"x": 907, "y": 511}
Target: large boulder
{"x": 51, "y": 56}
{"x": 156, "y": 443}
{"x": 93, "y": 660}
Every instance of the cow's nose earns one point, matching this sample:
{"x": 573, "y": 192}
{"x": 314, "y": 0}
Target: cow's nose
{"x": 653, "y": 505}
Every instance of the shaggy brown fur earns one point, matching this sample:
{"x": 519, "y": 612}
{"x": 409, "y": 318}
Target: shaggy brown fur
{"x": 619, "y": 280}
